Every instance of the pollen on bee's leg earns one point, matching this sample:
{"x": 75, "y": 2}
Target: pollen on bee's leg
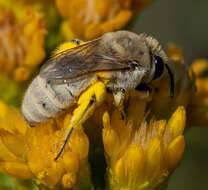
{"x": 86, "y": 104}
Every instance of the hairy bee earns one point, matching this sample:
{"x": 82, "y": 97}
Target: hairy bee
{"x": 121, "y": 60}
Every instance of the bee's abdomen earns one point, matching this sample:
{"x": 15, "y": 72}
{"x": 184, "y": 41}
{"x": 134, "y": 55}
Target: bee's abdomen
{"x": 43, "y": 100}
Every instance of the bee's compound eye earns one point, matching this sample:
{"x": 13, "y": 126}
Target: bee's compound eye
{"x": 159, "y": 66}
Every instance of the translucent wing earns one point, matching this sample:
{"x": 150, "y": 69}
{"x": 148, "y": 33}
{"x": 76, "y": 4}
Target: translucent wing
{"x": 81, "y": 60}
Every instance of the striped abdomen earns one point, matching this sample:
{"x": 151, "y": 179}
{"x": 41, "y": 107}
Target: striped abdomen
{"x": 44, "y": 100}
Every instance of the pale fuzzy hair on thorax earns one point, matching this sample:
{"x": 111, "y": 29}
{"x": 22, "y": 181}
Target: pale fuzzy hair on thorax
{"x": 155, "y": 47}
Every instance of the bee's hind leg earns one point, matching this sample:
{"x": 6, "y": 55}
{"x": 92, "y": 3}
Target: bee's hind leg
{"x": 86, "y": 105}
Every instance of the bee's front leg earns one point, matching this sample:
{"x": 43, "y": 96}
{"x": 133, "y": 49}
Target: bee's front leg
{"x": 86, "y": 105}
{"x": 118, "y": 94}
{"x": 119, "y": 97}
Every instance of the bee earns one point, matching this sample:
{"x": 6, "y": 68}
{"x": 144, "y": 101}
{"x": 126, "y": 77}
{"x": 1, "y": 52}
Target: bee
{"x": 118, "y": 61}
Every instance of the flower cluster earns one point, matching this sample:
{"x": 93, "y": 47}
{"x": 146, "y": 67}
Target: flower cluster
{"x": 134, "y": 148}
{"x": 88, "y": 19}
{"x": 33, "y": 155}
{"x": 142, "y": 156}
{"x": 198, "y": 110}
{"x": 18, "y": 42}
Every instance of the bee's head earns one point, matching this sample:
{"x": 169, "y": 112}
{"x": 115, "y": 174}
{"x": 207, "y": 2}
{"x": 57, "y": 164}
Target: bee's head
{"x": 158, "y": 62}
{"x": 144, "y": 52}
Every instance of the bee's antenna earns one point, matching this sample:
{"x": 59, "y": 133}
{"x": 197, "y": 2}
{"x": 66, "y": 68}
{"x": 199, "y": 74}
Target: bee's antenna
{"x": 172, "y": 84}
{"x": 65, "y": 143}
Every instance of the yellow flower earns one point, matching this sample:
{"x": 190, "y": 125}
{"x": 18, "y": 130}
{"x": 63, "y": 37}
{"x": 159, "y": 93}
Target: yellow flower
{"x": 175, "y": 53}
{"x": 198, "y": 112}
{"x": 89, "y": 19}
{"x": 19, "y": 40}
{"x": 33, "y": 155}
{"x": 139, "y": 154}
{"x": 142, "y": 156}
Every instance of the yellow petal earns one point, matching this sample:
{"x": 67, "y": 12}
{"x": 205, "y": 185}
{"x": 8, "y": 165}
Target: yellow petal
{"x": 202, "y": 87}
{"x": 21, "y": 74}
{"x": 10, "y": 140}
{"x": 161, "y": 128}
{"x": 134, "y": 164}
{"x": 111, "y": 142}
{"x": 68, "y": 180}
{"x": 71, "y": 162}
{"x": 121, "y": 19}
{"x": 36, "y": 45}
{"x": 174, "y": 52}
{"x": 67, "y": 31}
{"x": 106, "y": 121}
{"x": 199, "y": 66}
{"x": 17, "y": 170}
{"x": 3, "y": 109}
{"x": 6, "y": 155}
{"x": 177, "y": 122}
{"x": 94, "y": 30}
{"x": 110, "y": 137}
{"x": 154, "y": 158}
{"x": 175, "y": 151}
{"x": 80, "y": 144}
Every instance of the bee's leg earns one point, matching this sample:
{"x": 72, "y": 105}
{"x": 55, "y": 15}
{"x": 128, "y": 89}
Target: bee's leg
{"x": 87, "y": 103}
{"x": 65, "y": 143}
{"x": 119, "y": 101}
{"x": 118, "y": 94}
{"x": 119, "y": 98}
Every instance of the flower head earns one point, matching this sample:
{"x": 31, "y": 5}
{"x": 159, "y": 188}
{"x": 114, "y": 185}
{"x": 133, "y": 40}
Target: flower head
{"x": 19, "y": 39}
{"x": 198, "y": 110}
{"x": 141, "y": 154}
{"x": 33, "y": 155}
{"x": 89, "y": 19}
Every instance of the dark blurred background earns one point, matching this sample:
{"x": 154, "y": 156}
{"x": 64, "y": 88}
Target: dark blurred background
{"x": 185, "y": 23}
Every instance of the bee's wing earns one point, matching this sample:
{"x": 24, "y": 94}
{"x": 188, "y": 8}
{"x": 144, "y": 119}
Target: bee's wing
{"x": 81, "y": 60}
